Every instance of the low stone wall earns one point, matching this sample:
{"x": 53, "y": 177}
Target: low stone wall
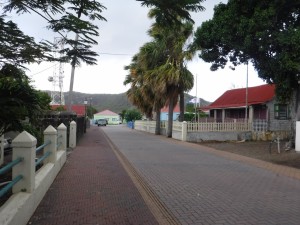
{"x": 199, "y": 136}
{"x": 218, "y": 136}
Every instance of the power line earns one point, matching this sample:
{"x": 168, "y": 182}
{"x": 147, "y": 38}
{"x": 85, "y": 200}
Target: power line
{"x": 107, "y": 53}
{"x": 100, "y": 53}
{"x": 44, "y": 70}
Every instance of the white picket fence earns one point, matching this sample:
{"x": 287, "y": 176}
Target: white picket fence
{"x": 199, "y": 127}
{"x": 219, "y": 127}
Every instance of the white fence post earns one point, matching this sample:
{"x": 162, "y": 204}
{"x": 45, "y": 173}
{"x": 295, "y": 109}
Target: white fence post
{"x": 72, "y": 138}
{"x": 50, "y": 134}
{"x": 24, "y": 146}
{"x": 62, "y": 137}
{"x": 148, "y": 125}
{"x": 184, "y": 131}
{"x": 297, "y": 139}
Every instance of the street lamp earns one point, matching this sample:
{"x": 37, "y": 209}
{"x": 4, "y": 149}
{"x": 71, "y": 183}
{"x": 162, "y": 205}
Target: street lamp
{"x": 85, "y": 107}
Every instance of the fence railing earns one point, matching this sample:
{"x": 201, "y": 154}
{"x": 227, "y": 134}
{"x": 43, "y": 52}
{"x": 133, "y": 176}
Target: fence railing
{"x": 7, "y": 186}
{"x": 25, "y": 159}
{"x": 219, "y": 127}
{"x": 232, "y": 125}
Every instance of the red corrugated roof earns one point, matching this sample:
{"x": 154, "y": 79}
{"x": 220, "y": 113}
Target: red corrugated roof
{"x": 237, "y": 97}
{"x": 78, "y": 109}
{"x": 107, "y": 113}
{"x": 166, "y": 109}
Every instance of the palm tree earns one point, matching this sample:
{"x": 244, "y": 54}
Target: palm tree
{"x": 172, "y": 76}
{"x": 142, "y": 92}
{"x": 168, "y": 74}
{"x": 151, "y": 56}
{"x": 167, "y": 12}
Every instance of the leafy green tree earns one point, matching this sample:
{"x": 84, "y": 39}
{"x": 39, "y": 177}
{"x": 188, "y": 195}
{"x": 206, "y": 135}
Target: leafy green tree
{"x": 68, "y": 16}
{"x": 190, "y": 107}
{"x": 91, "y": 111}
{"x": 122, "y": 114}
{"x": 132, "y": 115}
{"x": 17, "y": 48}
{"x": 265, "y": 33}
{"x": 65, "y": 16}
{"x": 18, "y": 99}
{"x": 44, "y": 100}
{"x": 60, "y": 108}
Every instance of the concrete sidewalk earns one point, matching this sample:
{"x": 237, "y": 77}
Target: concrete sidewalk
{"x": 92, "y": 188}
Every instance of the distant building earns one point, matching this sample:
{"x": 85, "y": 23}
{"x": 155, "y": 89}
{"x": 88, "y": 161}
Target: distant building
{"x": 164, "y": 112}
{"x": 111, "y": 117}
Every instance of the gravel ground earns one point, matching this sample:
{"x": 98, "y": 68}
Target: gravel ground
{"x": 262, "y": 150}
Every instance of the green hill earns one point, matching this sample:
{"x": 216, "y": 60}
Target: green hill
{"x": 112, "y": 102}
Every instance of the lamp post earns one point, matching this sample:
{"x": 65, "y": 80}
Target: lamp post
{"x": 85, "y": 107}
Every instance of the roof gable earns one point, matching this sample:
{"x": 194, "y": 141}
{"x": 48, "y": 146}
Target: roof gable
{"x": 107, "y": 113}
{"x": 237, "y": 97}
{"x": 165, "y": 109}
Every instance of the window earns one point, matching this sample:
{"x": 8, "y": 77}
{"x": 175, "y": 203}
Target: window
{"x": 281, "y": 111}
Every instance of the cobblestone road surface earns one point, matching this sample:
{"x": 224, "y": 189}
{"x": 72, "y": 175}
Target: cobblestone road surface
{"x": 198, "y": 187}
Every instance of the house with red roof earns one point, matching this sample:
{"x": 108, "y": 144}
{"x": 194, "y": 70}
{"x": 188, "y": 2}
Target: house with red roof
{"x": 257, "y": 105}
{"x": 111, "y": 117}
{"x": 164, "y": 112}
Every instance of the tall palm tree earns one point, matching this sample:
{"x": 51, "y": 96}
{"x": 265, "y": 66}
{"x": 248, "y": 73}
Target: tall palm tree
{"x": 167, "y": 73}
{"x": 142, "y": 92}
{"x": 136, "y": 92}
{"x": 151, "y": 56}
{"x": 172, "y": 76}
{"x": 169, "y": 11}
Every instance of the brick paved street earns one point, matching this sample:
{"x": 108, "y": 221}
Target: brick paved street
{"x": 199, "y": 186}
{"x": 92, "y": 188}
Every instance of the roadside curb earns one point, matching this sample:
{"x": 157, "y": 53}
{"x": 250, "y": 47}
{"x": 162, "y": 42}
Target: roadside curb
{"x": 156, "y": 206}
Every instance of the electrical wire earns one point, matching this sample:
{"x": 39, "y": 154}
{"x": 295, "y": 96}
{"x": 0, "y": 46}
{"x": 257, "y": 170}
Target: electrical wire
{"x": 101, "y": 53}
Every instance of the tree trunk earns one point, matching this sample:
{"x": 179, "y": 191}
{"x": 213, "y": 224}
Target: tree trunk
{"x": 72, "y": 80}
{"x": 157, "y": 125}
{"x": 181, "y": 105}
{"x": 170, "y": 118}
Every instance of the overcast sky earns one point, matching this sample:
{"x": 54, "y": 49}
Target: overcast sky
{"x": 120, "y": 38}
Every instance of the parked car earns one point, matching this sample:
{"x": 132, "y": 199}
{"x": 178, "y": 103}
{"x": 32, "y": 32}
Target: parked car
{"x": 7, "y": 144}
{"x": 101, "y": 122}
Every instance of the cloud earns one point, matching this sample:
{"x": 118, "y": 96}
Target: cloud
{"x": 121, "y": 37}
